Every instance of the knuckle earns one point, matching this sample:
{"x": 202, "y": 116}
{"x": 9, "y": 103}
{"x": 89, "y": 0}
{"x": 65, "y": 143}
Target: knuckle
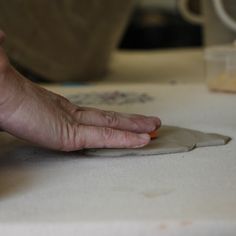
{"x": 65, "y": 138}
{"x": 126, "y": 137}
{"x": 111, "y": 118}
{"x": 79, "y": 140}
{"x": 107, "y": 133}
{"x": 71, "y": 138}
{"x": 76, "y": 111}
{"x": 62, "y": 101}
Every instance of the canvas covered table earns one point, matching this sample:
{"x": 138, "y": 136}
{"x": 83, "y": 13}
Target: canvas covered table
{"x": 194, "y": 193}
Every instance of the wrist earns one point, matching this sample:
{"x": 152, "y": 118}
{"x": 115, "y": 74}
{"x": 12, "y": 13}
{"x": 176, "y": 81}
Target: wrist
{"x": 11, "y": 89}
{"x": 5, "y": 69}
{"x": 11, "y": 93}
{"x": 5, "y": 85}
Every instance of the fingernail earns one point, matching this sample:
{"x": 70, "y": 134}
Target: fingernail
{"x": 144, "y": 139}
{"x": 159, "y": 122}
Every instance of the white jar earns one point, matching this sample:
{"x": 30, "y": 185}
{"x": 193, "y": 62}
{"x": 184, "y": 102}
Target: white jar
{"x": 221, "y": 68}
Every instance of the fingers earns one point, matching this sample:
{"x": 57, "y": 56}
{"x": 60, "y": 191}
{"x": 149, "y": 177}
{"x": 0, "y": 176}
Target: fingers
{"x": 133, "y": 123}
{"x": 2, "y": 37}
{"x": 99, "y": 137}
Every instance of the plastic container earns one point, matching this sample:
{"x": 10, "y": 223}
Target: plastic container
{"x": 221, "y": 68}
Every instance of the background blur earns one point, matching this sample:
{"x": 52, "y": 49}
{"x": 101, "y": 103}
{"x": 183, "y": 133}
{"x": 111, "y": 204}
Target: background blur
{"x": 159, "y": 24}
{"x": 74, "y": 40}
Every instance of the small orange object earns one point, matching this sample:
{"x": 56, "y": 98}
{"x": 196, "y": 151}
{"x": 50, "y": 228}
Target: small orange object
{"x": 153, "y": 134}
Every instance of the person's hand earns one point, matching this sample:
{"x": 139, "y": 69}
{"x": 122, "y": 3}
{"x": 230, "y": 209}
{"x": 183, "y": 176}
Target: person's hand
{"x": 50, "y": 120}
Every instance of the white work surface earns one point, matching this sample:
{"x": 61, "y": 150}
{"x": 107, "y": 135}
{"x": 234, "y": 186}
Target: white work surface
{"x": 51, "y": 193}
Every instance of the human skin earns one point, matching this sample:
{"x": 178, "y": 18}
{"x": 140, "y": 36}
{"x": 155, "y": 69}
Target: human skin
{"x": 37, "y": 115}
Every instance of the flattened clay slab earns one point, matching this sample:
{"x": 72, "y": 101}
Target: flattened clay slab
{"x": 170, "y": 140}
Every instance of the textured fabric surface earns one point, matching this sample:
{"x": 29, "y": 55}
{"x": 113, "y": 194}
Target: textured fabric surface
{"x": 192, "y": 193}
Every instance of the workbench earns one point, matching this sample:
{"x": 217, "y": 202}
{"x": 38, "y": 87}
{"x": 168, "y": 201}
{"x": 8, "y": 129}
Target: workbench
{"x": 44, "y": 192}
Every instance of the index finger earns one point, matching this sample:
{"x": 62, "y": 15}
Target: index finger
{"x": 83, "y": 136}
{"x": 130, "y": 122}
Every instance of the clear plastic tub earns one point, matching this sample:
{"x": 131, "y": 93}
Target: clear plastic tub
{"x": 221, "y": 68}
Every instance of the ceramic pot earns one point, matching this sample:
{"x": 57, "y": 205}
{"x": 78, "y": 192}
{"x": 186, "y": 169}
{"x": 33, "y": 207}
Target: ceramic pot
{"x": 63, "y": 40}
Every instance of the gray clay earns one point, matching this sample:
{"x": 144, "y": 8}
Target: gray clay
{"x": 170, "y": 140}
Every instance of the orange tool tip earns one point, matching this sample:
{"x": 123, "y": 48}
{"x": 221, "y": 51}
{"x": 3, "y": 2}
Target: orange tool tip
{"x": 153, "y": 134}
